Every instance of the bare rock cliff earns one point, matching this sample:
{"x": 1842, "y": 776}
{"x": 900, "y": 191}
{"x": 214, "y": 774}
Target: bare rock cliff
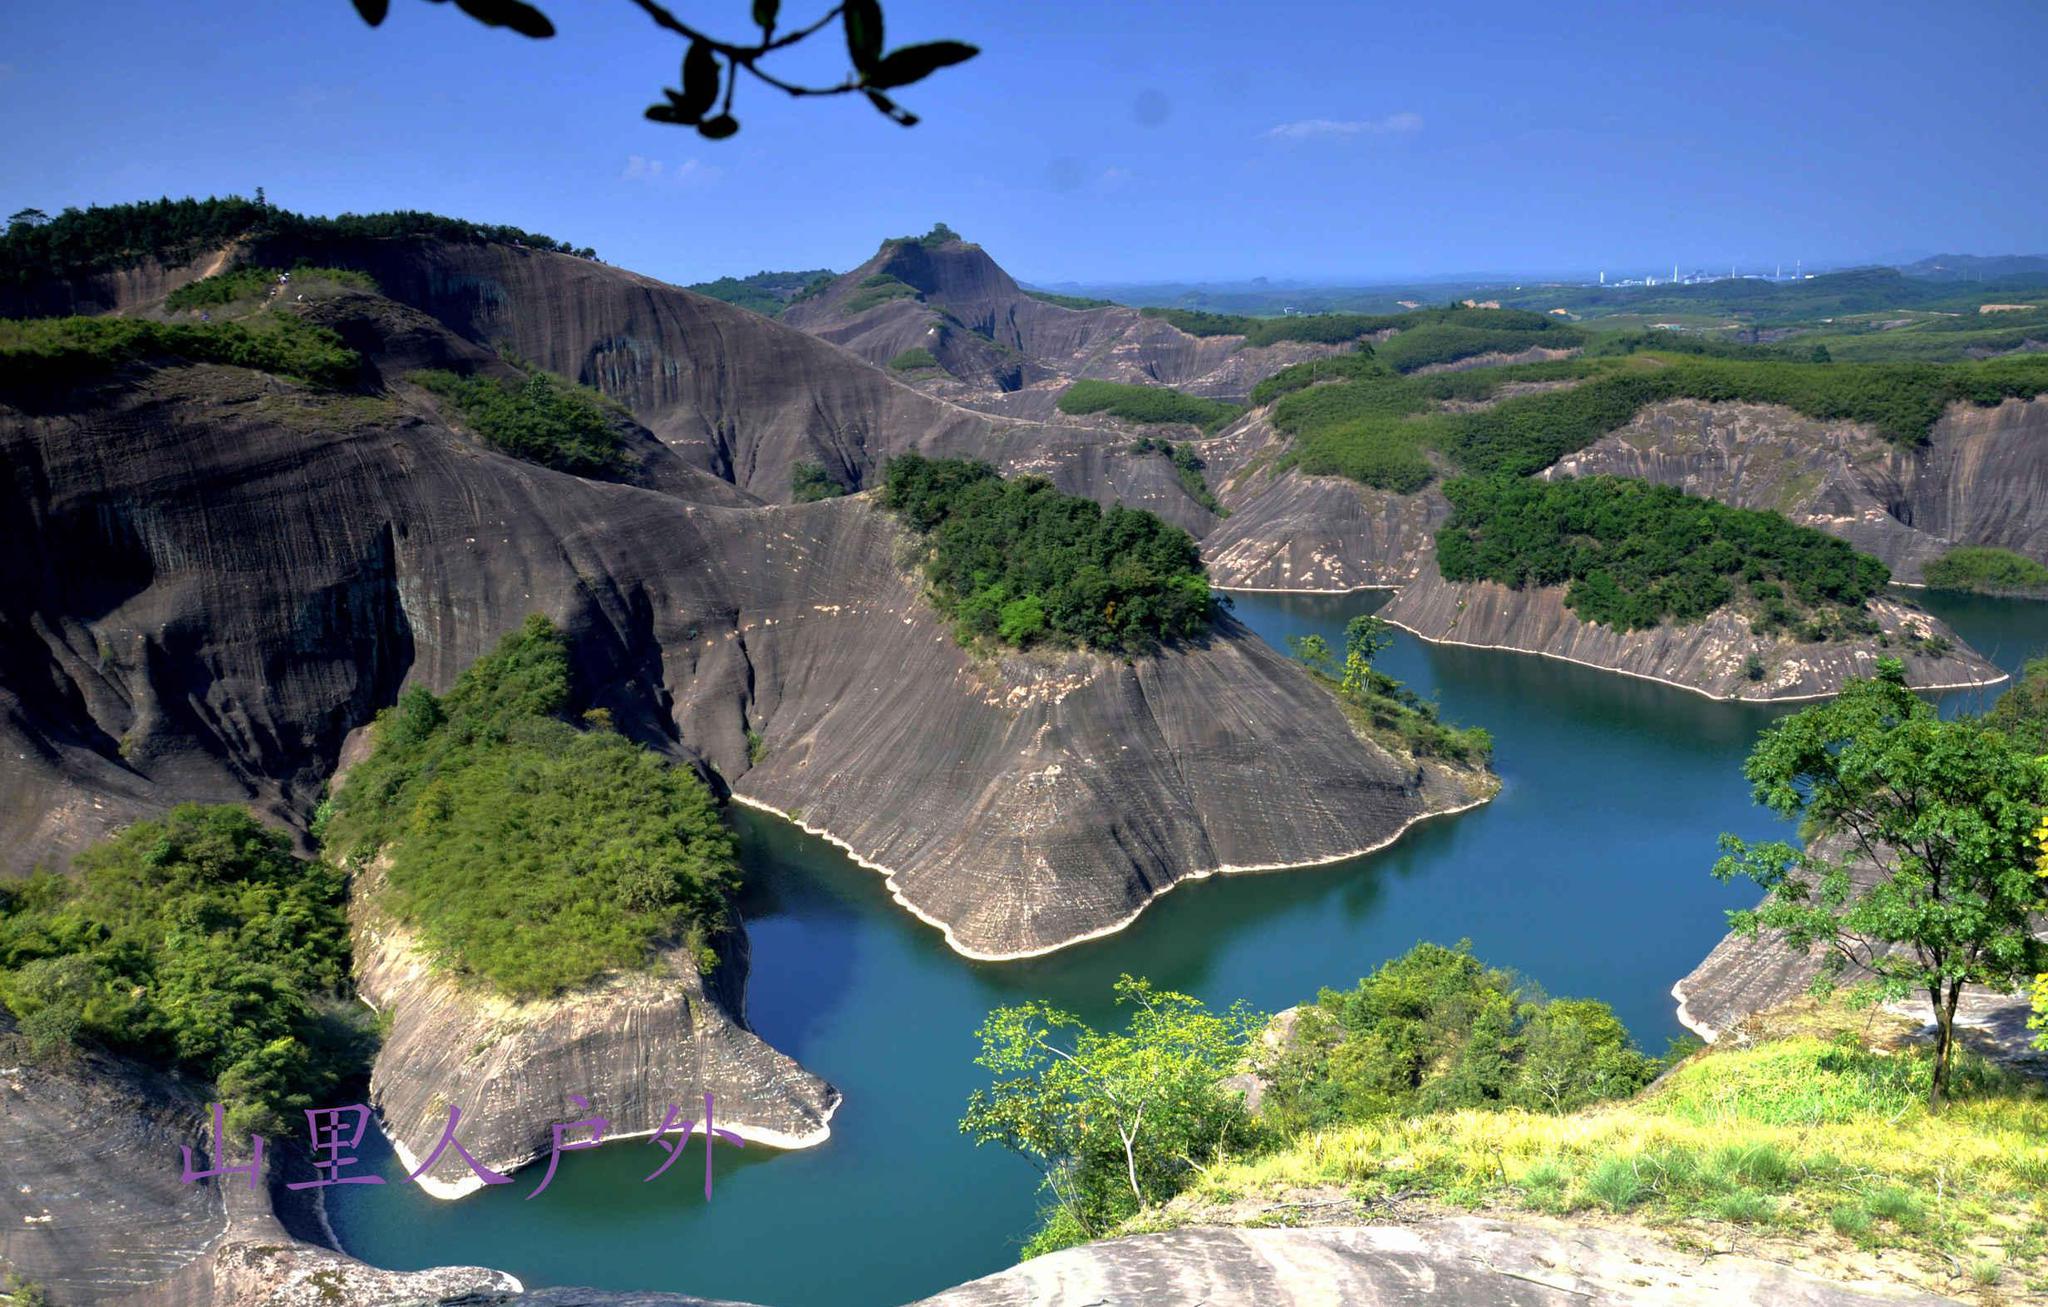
{"x": 1708, "y": 656}
{"x": 1981, "y": 478}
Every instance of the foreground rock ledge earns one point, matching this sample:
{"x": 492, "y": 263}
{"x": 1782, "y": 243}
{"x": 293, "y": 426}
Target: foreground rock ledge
{"x": 1707, "y": 657}
{"x": 630, "y": 1044}
{"x": 1470, "y": 1261}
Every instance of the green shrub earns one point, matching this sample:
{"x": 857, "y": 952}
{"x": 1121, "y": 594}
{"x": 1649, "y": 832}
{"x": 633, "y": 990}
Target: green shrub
{"x": 810, "y": 482}
{"x": 543, "y": 419}
{"x": 195, "y": 941}
{"x": 1616, "y": 1184}
{"x": 1973, "y": 567}
{"x": 910, "y": 360}
{"x": 1119, "y": 581}
{"x": 527, "y": 853}
{"x": 227, "y": 287}
{"x": 1070, "y": 301}
{"x": 65, "y": 350}
{"x": 1145, "y": 404}
{"x": 1635, "y": 554}
{"x": 878, "y": 289}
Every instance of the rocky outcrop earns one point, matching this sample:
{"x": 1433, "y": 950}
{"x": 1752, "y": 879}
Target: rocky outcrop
{"x": 1472, "y": 1261}
{"x": 1709, "y": 656}
{"x": 1980, "y": 479}
{"x": 94, "y": 1209}
{"x": 632, "y": 1045}
{"x": 1745, "y": 975}
{"x": 1003, "y": 349}
{"x": 1290, "y": 531}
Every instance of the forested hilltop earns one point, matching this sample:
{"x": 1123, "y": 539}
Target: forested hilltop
{"x": 77, "y": 242}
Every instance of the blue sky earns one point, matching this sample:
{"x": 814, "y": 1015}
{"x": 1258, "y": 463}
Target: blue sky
{"x": 1115, "y": 140}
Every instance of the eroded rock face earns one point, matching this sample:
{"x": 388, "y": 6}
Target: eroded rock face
{"x": 1319, "y": 534}
{"x": 93, "y": 1208}
{"x": 1709, "y": 656}
{"x": 1981, "y": 478}
{"x": 1471, "y": 1261}
{"x": 631, "y": 1045}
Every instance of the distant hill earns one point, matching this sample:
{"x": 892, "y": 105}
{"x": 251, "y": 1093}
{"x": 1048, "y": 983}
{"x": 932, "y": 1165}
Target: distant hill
{"x": 1978, "y": 267}
{"x": 766, "y": 293}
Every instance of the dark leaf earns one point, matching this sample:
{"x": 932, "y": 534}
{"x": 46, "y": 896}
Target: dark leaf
{"x": 915, "y": 62}
{"x": 700, "y": 81}
{"x": 897, "y": 114}
{"x": 373, "y": 11}
{"x": 863, "y": 32}
{"x": 667, "y": 113}
{"x": 717, "y": 129}
{"x": 765, "y": 12}
{"x": 521, "y": 18}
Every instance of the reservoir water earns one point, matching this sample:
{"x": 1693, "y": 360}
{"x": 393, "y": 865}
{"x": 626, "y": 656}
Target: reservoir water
{"x": 1588, "y": 874}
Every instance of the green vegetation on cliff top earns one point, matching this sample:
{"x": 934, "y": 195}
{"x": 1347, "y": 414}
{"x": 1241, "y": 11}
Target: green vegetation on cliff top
{"x": 1017, "y": 562}
{"x": 527, "y": 852}
{"x": 542, "y": 419}
{"x": 765, "y": 293}
{"x": 37, "y": 351}
{"x": 1632, "y": 554}
{"x": 195, "y": 942}
{"x": 1986, "y": 569}
{"x": 81, "y": 241}
{"x": 1146, "y": 404}
{"x": 224, "y": 288}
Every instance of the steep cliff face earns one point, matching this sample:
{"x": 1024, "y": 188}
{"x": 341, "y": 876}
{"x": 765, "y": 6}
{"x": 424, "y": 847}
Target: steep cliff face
{"x": 1012, "y": 352}
{"x": 1981, "y": 478}
{"x": 632, "y": 1045}
{"x": 1291, "y": 531}
{"x": 1708, "y": 656}
{"x": 1472, "y": 1261}
{"x": 94, "y": 1209}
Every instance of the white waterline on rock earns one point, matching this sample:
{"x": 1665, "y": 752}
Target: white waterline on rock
{"x": 1680, "y": 685}
{"x": 1225, "y": 869}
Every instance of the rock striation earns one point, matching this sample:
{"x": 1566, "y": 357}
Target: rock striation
{"x": 631, "y": 1045}
{"x": 1709, "y": 656}
{"x": 1473, "y": 1261}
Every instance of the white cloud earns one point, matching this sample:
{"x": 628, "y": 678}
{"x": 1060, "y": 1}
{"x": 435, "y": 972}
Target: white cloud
{"x": 689, "y": 172}
{"x": 1394, "y": 124}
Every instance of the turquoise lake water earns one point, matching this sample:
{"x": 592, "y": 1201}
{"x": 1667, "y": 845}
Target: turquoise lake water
{"x": 1588, "y": 874}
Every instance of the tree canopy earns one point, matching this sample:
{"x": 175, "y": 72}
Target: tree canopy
{"x": 1945, "y": 814}
{"x": 530, "y": 853}
{"x": 1015, "y": 561}
{"x": 195, "y": 941}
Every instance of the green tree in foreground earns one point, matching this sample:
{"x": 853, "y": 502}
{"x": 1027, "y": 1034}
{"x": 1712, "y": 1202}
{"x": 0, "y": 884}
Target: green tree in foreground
{"x": 195, "y": 941}
{"x": 1946, "y": 812}
{"x": 1114, "y": 1120}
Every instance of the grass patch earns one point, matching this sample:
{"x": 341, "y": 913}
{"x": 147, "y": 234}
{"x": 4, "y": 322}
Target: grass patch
{"x": 246, "y": 283}
{"x": 913, "y": 359}
{"x": 543, "y": 419}
{"x": 1070, "y": 301}
{"x": 68, "y": 350}
{"x": 529, "y": 853}
{"x": 809, "y": 482}
{"x": 1145, "y": 404}
{"x": 879, "y": 289}
{"x": 1806, "y": 1133}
